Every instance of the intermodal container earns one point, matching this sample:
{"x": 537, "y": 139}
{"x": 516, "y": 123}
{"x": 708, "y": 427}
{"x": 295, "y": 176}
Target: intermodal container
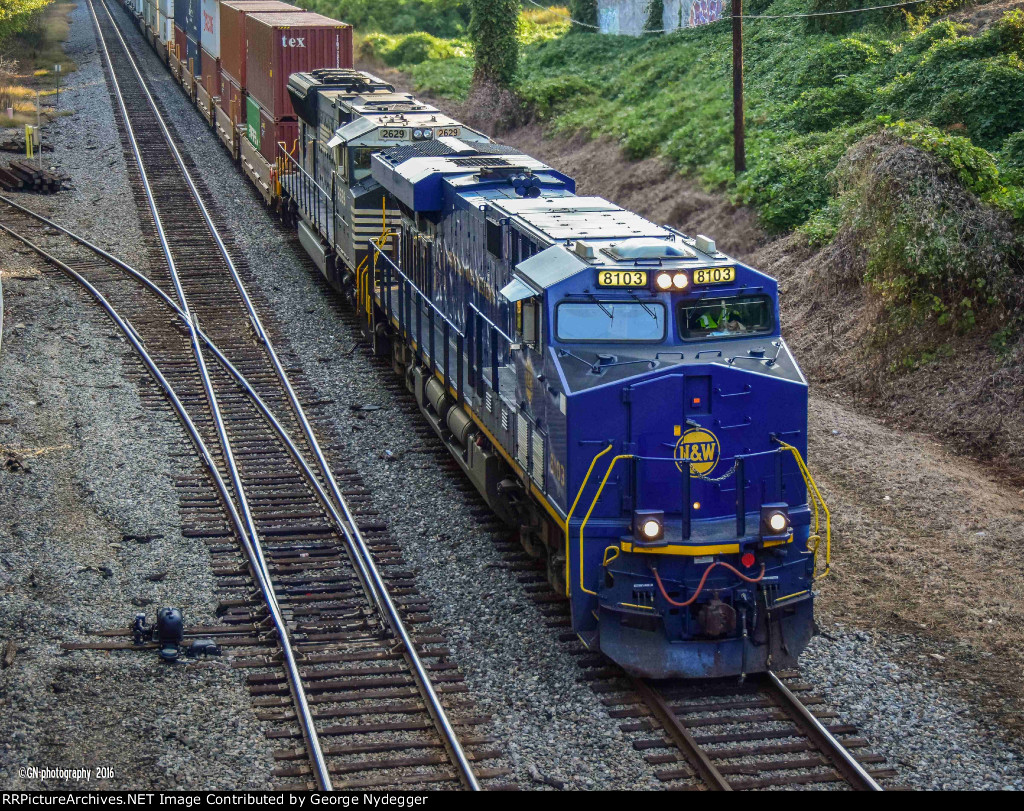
{"x": 187, "y": 16}
{"x": 209, "y": 32}
{"x": 232, "y": 99}
{"x": 193, "y": 58}
{"x": 165, "y": 30}
{"x": 279, "y": 45}
{"x": 180, "y": 46}
{"x": 232, "y": 35}
{"x": 211, "y": 72}
{"x": 265, "y": 132}
{"x": 167, "y": 7}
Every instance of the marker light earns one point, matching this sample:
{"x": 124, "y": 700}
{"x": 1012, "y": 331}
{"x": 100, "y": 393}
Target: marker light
{"x": 680, "y": 281}
{"x": 747, "y": 560}
{"x": 777, "y": 522}
{"x": 650, "y": 528}
{"x": 664, "y": 281}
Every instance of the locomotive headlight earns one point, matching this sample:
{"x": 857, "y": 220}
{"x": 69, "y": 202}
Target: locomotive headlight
{"x": 774, "y": 519}
{"x": 427, "y": 134}
{"x": 648, "y": 525}
{"x": 417, "y": 134}
{"x": 679, "y": 281}
{"x": 664, "y": 281}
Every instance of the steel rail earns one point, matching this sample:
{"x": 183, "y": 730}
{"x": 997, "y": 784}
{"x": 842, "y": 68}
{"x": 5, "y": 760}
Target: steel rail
{"x": 844, "y": 761}
{"x": 695, "y": 755}
{"x": 424, "y": 684}
{"x": 264, "y": 583}
{"x": 303, "y": 711}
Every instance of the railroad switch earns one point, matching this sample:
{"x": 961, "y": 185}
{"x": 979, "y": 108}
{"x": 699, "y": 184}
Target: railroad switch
{"x": 168, "y": 632}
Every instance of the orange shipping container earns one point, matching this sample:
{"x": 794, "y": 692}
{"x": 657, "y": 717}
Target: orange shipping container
{"x": 232, "y": 34}
{"x": 278, "y": 45}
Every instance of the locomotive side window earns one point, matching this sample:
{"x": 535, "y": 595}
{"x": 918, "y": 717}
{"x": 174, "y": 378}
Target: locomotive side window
{"x": 494, "y": 239}
{"x": 613, "y": 321}
{"x": 360, "y": 157}
{"x": 726, "y": 317}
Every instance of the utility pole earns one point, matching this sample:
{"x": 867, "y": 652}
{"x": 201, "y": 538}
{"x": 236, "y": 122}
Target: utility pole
{"x": 739, "y": 148}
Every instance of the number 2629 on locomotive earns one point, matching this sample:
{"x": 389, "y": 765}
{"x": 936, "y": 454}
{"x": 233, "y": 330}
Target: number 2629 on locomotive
{"x": 623, "y": 394}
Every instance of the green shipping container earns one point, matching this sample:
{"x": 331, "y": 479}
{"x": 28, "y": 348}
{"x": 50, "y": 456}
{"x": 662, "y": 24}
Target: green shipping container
{"x": 252, "y": 122}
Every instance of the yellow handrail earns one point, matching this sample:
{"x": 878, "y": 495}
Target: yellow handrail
{"x": 568, "y": 519}
{"x": 593, "y": 504}
{"x": 816, "y": 499}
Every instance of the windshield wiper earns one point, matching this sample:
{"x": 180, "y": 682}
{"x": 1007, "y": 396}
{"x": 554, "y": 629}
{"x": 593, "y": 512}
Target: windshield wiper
{"x": 650, "y": 312}
{"x": 604, "y": 309}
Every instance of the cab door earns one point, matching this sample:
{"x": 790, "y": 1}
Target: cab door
{"x": 655, "y": 411}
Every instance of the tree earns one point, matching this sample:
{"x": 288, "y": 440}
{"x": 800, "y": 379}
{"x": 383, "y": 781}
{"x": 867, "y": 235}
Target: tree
{"x": 584, "y": 12}
{"x": 494, "y": 28}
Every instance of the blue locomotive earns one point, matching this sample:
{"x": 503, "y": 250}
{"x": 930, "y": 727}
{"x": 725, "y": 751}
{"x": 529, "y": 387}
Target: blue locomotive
{"x": 617, "y": 390}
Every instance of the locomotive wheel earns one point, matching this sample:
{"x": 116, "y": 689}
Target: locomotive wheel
{"x": 532, "y": 544}
{"x": 556, "y": 571}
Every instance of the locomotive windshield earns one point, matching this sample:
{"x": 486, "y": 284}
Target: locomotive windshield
{"x": 613, "y": 321}
{"x": 727, "y": 317}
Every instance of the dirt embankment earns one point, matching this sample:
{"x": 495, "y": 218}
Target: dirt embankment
{"x": 926, "y": 535}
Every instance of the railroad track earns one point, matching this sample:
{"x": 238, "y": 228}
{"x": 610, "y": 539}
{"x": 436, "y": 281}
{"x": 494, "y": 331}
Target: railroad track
{"x": 769, "y": 730}
{"x": 317, "y": 605}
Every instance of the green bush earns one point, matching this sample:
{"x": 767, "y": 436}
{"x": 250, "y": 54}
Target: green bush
{"x": 789, "y": 181}
{"x": 975, "y": 167}
{"x": 16, "y": 15}
{"x": 410, "y": 49}
{"x": 1012, "y": 155}
{"x": 823, "y": 108}
{"x": 846, "y": 57}
{"x": 442, "y": 18}
{"x": 548, "y": 96}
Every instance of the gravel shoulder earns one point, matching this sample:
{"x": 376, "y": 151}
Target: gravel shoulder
{"x": 89, "y": 525}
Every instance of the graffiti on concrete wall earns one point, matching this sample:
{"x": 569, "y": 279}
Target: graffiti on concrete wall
{"x": 629, "y": 17}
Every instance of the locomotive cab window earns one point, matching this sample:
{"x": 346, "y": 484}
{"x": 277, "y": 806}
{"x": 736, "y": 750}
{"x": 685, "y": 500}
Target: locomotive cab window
{"x": 725, "y": 317}
{"x": 611, "y": 321}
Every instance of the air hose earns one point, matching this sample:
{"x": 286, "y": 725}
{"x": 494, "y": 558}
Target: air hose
{"x": 703, "y": 580}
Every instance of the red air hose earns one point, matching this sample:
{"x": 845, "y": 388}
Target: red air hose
{"x": 700, "y": 586}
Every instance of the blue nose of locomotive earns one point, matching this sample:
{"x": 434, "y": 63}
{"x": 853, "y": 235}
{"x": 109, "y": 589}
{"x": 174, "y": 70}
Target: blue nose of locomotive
{"x": 692, "y": 532}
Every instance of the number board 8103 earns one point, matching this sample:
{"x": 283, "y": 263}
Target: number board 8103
{"x": 622, "y": 278}
{"x": 714, "y": 275}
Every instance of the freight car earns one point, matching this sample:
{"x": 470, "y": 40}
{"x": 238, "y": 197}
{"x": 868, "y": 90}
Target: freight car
{"x": 617, "y": 390}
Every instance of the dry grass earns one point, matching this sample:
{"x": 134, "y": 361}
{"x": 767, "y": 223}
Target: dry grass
{"x": 546, "y": 16}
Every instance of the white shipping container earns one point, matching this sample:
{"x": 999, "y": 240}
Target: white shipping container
{"x": 166, "y": 30}
{"x": 140, "y": 7}
{"x": 210, "y": 28}
{"x": 167, "y": 9}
